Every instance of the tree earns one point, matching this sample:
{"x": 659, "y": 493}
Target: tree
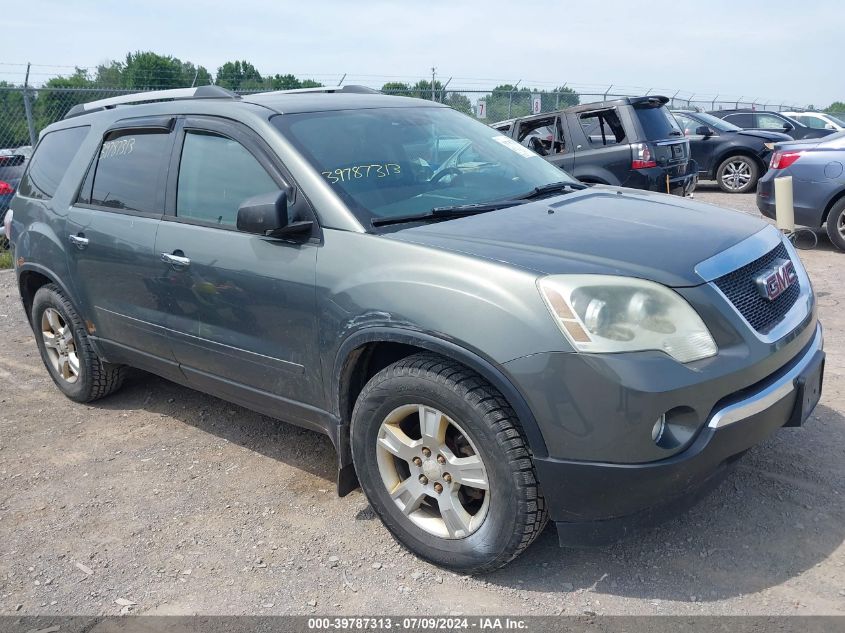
{"x": 239, "y": 75}
{"x": 836, "y": 106}
{"x": 145, "y": 70}
{"x": 13, "y": 129}
{"x": 422, "y": 89}
{"x": 459, "y": 102}
{"x": 60, "y": 94}
{"x": 290, "y": 82}
{"x": 396, "y": 88}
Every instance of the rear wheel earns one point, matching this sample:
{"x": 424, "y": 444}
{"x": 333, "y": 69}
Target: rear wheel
{"x": 443, "y": 462}
{"x": 836, "y": 224}
{"x": 67, "y": 351}
{"x": 738, "y": 174}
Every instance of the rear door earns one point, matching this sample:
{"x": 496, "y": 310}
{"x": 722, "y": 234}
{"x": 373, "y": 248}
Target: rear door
{"x": 112, "y": 229}
{"x": 601, "y": 151}
{"x": 242, "y": 306}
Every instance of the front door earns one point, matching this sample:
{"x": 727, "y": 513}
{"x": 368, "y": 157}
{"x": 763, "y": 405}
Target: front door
{"x": 112, "y": 229}
{"x": 242, "y": 306}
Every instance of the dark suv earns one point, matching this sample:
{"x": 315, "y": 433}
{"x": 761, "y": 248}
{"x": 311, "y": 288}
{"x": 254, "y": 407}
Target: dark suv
{"x": 630, "y": 142}
{"x": 749, "y": 119}
{"x": 733, "y": 157}
{"x": 487, "y": 341}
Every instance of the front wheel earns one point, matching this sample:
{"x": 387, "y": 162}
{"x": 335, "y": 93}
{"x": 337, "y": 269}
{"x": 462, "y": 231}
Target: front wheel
{"x": 836, "y": 224}
{"x": 444, "y": 463}
{"x": 738, "y": 174}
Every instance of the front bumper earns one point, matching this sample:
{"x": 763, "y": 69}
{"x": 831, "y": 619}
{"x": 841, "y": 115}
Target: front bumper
{"x": 593, "y": 502}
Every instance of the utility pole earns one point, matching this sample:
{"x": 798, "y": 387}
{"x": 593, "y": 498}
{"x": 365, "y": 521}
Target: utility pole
{"x": 433, "y": 70}
{"x": 28, "y": 108}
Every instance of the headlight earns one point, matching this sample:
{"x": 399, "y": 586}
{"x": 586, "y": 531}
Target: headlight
{"x": 602, "y": 313}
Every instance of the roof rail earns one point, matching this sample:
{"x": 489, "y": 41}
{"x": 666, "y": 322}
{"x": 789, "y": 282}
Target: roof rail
{"x": 350, "y": 89}
{"x": 200, "y": 92}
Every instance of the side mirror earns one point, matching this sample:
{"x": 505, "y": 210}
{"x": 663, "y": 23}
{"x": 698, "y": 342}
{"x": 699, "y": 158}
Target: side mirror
{"x": 788, "y": 127}
{"x": 704, "y": 130}
{"x": 267, "y": 215}
{"x": 829, "y": 126}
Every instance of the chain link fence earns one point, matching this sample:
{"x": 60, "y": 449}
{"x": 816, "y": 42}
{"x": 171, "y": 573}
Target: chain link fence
{"x": 25, "y": 111}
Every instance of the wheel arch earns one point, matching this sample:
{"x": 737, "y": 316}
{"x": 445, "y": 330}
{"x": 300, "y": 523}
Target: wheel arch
{"x": 366, "y": 352}
{"x": 831, "y": 203}
{"x": 32, "y": 277}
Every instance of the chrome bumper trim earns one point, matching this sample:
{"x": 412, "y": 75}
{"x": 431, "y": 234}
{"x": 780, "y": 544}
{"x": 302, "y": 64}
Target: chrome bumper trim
{"x": 770, "y": 395}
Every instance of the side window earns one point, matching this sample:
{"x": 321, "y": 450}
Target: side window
{"x": 602, "y": 128}
{"x": 811, "y": 121}
{"x": 540, "y": 135}
{"x": 216, "y": 174}
{"x": 128, "y": 174}
{"x": 770, "y": 122}
{"x": 687, "y": 124}
{"x": 50, "y": 161}
{"x": 743, "y": 119}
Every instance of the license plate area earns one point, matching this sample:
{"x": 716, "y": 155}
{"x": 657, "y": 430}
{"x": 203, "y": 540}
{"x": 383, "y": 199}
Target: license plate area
{"x": 808, "y": 390}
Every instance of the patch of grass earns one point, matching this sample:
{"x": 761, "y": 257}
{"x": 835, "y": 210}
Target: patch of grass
{"x": 5, "y": 259}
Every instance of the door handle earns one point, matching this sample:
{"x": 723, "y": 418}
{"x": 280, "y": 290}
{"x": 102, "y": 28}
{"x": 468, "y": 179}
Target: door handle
{"x": 177, "y": 261}
{"x": 79, "y": 240}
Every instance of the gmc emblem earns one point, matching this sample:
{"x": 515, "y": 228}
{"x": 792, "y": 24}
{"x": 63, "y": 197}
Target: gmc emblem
{"x": 774, "y": 281}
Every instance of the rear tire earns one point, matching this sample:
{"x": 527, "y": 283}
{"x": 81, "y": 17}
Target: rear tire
{"x": 836, "y": 224}
{"x": 483, "y": 513}
{"x": 67, "y": 351}
{"x": 738, "y": 174}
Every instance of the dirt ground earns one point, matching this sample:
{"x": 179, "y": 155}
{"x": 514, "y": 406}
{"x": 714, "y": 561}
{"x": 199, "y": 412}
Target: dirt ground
{"x": 169, "y": 501}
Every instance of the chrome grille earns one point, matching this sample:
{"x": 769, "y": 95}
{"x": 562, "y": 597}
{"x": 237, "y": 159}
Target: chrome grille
{"x": 739, "y": 287}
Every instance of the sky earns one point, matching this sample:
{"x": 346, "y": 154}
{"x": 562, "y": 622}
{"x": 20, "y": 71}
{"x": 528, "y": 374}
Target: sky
{"x": 764, "y": 49}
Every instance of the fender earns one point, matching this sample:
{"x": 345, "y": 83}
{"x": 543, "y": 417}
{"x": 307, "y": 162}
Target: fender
{"x": 487, "y": 368}
{"x": 54, "y": 279}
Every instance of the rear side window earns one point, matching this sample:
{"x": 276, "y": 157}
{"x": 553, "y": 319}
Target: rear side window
{"x": 216, "y": 175}
{"x": 50, "y": 162}
{"x": 128, "y": 174}
{"x": 743, "y": 119}
{"x": 657, "y": 123}
{"x": 602, "y": 127}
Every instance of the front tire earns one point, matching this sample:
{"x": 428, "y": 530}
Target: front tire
{"x": 836, "y": 224}
{"x": 444, "y": 463}
{"x": 67, "y": 351}
{"x": 738, "y": 174}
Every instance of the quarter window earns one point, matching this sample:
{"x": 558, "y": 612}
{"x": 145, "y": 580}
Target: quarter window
{"x": 216, "y": 175}
{"x": 50, "y": 161}
{"x": 129, "y": 174}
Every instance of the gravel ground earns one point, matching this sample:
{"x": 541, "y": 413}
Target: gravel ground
{"x": 163, "y": 500}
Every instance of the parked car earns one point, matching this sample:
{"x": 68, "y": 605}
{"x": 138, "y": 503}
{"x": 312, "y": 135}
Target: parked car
{"x": 488, "y": 344}
{"x": 818, "y": 183}
{"x": 819, "y": 120}
{"x": 12, "y": 165}
{"x": 733, "y": 157}
{"x": 749, "y": 119}
{"x": 631, "y": 142}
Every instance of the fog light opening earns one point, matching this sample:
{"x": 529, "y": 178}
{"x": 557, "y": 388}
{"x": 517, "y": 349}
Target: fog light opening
{"x": 658, "y": 429}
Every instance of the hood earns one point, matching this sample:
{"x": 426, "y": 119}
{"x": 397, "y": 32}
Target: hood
{"x": 762, "y": 134}
{"x": 600, "y": 230}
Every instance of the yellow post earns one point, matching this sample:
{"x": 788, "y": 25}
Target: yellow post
{"x": 784, "y": 211}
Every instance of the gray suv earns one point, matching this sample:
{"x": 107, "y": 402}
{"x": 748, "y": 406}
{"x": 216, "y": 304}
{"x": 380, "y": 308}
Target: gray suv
{"x": 487, "y": 342}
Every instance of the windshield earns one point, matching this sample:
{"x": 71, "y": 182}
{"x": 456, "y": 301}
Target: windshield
{"x": 392, "y": 162}
{"x": 715, "y": 122}
{"x": 658, "y": 123}
{"x": 839, "y": 119}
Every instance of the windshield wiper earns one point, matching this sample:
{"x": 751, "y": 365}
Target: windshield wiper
{"x": 439, "y": 213}
{"x": 552, "y": 187}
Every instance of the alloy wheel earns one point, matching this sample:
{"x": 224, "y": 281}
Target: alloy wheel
{"x": 736, "y": 175}
{"x": 60, "y": 346}
{"x": 432, "y": 471}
